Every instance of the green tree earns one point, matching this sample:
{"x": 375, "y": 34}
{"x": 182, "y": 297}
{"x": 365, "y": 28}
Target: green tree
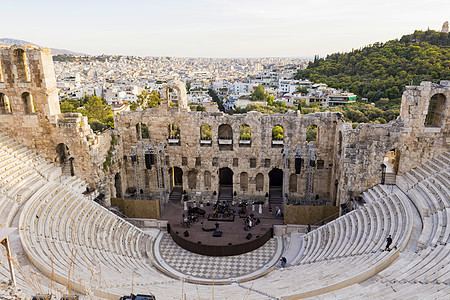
{"x": 97, "y": 110}
{"x": 382, "y": 70}
{"x": 260, "y": 94}
{"x": 216, "y": 99}
{"x": 277, "y": 133}
{"x": 188, "y": 87}
{"x": 66, "y": 106}
{"x": 245, "y": 132}
{"x": 311, "y": 133}
{"x": 206, "y": 132}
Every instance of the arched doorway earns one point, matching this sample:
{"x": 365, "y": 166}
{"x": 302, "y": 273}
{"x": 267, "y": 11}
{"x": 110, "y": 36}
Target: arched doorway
{"x": 64, "y": 159}
{"x": 176, "y": 175}
{"x": 276, "y": 187}
{"x": 436, "y": 111}
{"x": 225, "y": 184}
{"x": 389, "y": 167}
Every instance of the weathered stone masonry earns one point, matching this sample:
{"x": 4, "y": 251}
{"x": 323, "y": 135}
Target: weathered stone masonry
{"x": 30, "y": 113}
{"x": 347, "y": 162}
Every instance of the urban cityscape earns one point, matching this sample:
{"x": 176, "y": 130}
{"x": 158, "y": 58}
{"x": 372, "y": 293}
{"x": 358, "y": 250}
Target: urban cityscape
{"x": 237, "y": 150}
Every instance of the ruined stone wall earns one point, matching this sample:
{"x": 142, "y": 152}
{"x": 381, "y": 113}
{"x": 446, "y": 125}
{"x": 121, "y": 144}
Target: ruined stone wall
{"x": 348, "y": 161}
{"x": 195, "y": 158}
{"x": 35, "y": 119}
{"x": 364, "y": 148}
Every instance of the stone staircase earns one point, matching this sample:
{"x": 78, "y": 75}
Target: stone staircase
{"x": 390, "y": 178}
{"x": 175, "y": 195}
{"x": 66, "y": 169}
{"x": 225, "y": 194}
{"x": 276, "y": 197}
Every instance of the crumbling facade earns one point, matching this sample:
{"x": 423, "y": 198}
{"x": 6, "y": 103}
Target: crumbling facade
{"x": 30, "y": 112}
{"x": 208, "y": 155}
{"x": 346, "y": 161}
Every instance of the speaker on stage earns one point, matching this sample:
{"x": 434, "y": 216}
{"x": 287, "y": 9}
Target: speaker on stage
{"x": 249, "y": 236}
{"x": 186, "y": 233}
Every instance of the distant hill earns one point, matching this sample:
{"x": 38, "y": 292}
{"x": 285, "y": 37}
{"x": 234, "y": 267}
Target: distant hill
{"x": 8, "y": 41}
{"x": 382, "y": 70}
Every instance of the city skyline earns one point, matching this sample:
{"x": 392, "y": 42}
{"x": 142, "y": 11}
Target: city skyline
{"x": 216, "y": 29}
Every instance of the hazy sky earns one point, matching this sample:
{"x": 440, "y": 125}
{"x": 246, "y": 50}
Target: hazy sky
{"x": 216, "y": 28}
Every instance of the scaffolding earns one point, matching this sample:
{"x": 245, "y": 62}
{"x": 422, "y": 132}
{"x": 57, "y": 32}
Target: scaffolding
{"x": 143, "y": 191}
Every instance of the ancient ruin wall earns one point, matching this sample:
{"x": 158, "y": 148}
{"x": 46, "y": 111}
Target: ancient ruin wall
{"x": 196, "y": 158}
{"x": 30, "y": 112}
{"x": 364, "y": 148}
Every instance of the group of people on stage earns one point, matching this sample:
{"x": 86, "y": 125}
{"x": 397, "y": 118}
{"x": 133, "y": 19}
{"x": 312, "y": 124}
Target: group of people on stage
{"x": 250, "y": 222}
{"x": 222, "y": 209}
{"x": 189, "y": 219}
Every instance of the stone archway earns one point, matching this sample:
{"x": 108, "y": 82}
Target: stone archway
{"x": 225, "y": 184}
{"x": 182, "y": 94}
{"x": 436, "y": 111}
{"x": 64, "y": 159}
{"x": 276, "y": 187}
{"x": 176, "y": 177}
{"x": 389, "y": 167}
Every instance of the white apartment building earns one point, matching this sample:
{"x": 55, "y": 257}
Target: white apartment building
{"x": 289, "y": 86}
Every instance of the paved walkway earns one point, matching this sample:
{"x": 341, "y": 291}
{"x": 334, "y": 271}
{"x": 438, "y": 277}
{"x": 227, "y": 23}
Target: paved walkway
{"x": 194, "y": 266}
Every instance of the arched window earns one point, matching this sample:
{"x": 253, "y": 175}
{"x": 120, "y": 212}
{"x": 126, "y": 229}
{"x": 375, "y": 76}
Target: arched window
{"x": 245, "y": 132}
{"x": 205, "y": 132}
{"x": 207, "y": 179}
{"x": 293, "y": 183}
{"x": 142, "y": 131}
{"x": 28, "y": 103}
{"x": 244, "y": 181}
{"x": 277, "y": 133}
{"x": 5, "y": 107}
{"x": 259, "y": 182}
{"x": 174, "y": 131}
{"x": 225, "y": 132}
{"x": 192, "y": 179}
{"x": 312, "y": 133}
{"x": 436, "y": 111}
{"x": 20, "y": 60}
{"x": 225, "y": 137}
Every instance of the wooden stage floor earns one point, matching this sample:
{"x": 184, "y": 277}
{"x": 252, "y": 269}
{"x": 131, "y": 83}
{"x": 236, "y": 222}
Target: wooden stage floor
{"x": 232, "y": 232}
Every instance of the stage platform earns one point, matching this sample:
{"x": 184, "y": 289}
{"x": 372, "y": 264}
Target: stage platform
{"x": 234, "y": 237}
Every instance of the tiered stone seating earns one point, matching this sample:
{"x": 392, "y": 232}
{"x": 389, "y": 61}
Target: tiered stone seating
{"x": 81, "y": 244}
{"x": 62, "y": 230}
{"x": 423, "y": 270}
{"x": 18, "y": 179}
{"x": 346, "y": 250}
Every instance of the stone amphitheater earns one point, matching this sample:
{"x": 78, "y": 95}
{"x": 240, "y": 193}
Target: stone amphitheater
{"x": 59, "y": 179}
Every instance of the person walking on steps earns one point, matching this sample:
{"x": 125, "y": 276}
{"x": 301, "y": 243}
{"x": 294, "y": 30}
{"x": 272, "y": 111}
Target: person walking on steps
{"x": 283, "y": 261}
{"x": 388, "y": 243}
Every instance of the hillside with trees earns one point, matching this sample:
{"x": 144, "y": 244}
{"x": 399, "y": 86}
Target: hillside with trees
{"x": 382, "y": 70}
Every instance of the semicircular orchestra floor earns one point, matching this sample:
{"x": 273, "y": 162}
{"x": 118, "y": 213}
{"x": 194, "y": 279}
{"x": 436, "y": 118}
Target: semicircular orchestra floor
{"x": 210, "y": 269}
